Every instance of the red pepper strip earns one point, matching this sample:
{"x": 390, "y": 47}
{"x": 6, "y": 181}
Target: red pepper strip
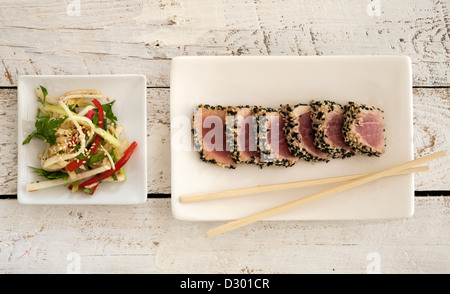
{"x": 100, "y": 113}
{"x": 97, "y": 138}
{"x": 76, "y": 164}
{"x": 90, "y": 114}
{"x": 94, "y": 145}
{"x": 118, "y": 165}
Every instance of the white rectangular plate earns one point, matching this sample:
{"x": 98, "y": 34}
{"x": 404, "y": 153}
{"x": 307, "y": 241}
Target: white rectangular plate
{"x": 382, "y": 81}
{"x": 129, "y": 93}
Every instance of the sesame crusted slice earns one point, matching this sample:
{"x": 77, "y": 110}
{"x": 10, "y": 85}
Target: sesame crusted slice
{"x": 300, "y": 134}
{"x": 272, "y": 140}
{"x": 245, "y": 134}
{"x": 211, "y": 135}
{"x": 364, "y": 128}
{"x": 327, "y": 121}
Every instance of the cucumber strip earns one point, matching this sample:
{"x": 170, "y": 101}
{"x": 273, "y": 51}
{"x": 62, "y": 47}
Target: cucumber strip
{"x": 108, "y": 137}
{"x": 56, "y": 109}
{"x": 117, "y": 157}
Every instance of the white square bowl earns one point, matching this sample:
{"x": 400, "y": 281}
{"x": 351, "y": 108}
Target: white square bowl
{"x": 382, "y": 81}
{"x": 130, "y": 107}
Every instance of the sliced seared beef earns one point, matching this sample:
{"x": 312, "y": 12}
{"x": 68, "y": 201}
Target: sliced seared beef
{"x": 327, "y": 120}
{"x": 300, "y": 134}
{"x": 364, "y": 128}
{"x": 272, "y": 140}
{"x": 245, "y": 134}
{"x": 210, "y": 135}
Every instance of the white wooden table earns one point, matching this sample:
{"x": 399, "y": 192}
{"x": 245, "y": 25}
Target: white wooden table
{"x": 137, "y": 36}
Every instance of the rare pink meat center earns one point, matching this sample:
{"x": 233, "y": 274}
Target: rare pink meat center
{"x": 334, "y": 131}
{"x": 278, "y": 142}
{"x": 306, "y": 130}
{"x": 215, "y": 143}
{"x": 371, "y": 130}
{"x": 247, "y": 139}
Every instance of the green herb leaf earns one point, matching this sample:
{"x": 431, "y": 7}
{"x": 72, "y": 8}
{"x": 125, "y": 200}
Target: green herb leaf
{"x": 51, "y": 175}
{"x": 45, "y": 93}
{"x": 107, "y": 108}
{"x": 95, "y": 118}
{"x": 72, "y": 107}
{"x": 31, "y": 136}
{"x": 94, "y": 158}
{"x": 46, "y": 128}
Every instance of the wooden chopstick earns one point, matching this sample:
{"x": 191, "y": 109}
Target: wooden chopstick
{"x": 319, "y": 195}
{"x": 277, "y": 187}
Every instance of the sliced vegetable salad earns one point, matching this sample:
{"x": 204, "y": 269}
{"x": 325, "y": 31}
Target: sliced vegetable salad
{"x": 83, "y": 141}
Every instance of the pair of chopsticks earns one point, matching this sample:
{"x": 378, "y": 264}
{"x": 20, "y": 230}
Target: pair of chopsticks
{"x": 349, "y": 182}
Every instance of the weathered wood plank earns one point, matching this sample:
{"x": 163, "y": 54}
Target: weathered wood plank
{"x": 39, "y": 37}
{"x": 146, "y": 239}
{"x": 158, "y": 141}
{"x": 431, "y": 134}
